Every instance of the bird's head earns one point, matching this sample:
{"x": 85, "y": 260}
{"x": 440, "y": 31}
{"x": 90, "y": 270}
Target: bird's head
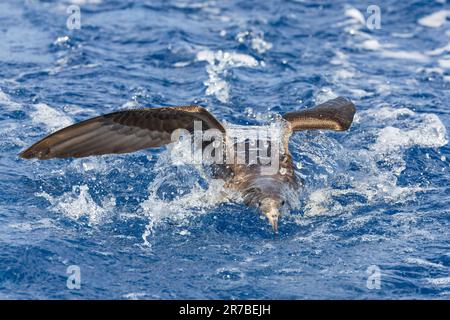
{"x": 270, "y": 207}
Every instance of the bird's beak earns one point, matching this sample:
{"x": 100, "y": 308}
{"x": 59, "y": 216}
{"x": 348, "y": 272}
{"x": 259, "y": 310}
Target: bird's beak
{"x": 274, "y": 222}
{"x": 269, "y": 208}
{"x": 272, "y": 216}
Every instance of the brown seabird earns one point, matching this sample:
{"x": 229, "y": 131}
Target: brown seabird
{"x": 131, "y": 130}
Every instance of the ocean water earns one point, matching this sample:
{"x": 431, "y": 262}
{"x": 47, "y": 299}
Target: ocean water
{"x": 374, "y": 218}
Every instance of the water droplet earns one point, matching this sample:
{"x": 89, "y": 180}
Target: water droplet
{"x": 184, "y": 232}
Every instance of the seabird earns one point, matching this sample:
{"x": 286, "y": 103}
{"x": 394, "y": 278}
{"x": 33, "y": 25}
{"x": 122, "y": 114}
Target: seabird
{"x": 131, "y": 130}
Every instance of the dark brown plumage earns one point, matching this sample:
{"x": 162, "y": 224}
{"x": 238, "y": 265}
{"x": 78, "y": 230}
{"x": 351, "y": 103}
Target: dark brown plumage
{"x": 336, "y": 114}
{"x": 120, "y": 132}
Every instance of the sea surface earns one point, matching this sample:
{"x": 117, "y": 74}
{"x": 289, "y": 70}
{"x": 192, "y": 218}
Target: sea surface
{"x": 374, "y": 219}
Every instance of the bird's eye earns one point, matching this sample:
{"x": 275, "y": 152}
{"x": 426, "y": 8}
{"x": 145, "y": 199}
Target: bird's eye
{"x": 283, "y": 202}
{"x": 259, "y": 204}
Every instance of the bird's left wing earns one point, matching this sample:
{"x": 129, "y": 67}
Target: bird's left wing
{"x": 336, "y": 114}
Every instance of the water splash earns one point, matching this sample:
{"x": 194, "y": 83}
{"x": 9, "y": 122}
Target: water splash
{"x": 50, "y": 117}
{"x": 8, "y": 103}
{"x": 178, "y": 193}
{"x": 256, "y": 41}
{"x": 78, "y": 203}
{"x": 367, "y": 166}
{"x": 435, "y": 20}
{"x": 219, "y": 63}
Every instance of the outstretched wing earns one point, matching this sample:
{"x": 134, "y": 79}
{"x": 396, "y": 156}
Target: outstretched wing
{"x": 336, "y": 114}
{"x": 121, "y": 132}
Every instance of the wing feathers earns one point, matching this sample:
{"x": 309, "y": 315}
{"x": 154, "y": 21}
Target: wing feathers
{"x": 121, "y": 132}
{"x": 336, "y": 114}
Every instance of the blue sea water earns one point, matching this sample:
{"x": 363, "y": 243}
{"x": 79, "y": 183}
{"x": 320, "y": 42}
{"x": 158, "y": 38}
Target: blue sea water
{"x": 376, "y": 198}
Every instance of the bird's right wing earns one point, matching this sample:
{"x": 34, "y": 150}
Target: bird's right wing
{"x": 121, "y": 132}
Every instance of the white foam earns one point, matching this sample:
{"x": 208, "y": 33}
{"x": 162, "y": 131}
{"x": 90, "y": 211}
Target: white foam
{"x": 344, "y": 74}
{"x": 405, "y": 55}
{"x": 427, "y": 131}
{"x": 356, "y": 15}
{"x": 444, "y": 281}
{"x": 187, "y": 202}
{"x": 398, "y": 129}
{"x": 386, "y": 113}
{"x": 197, "y": 202}
{"x": 444, "y": 63}
{"x": 50, "y": 117}
{"x": 79, "y": 203}
{"x": 319, "y": 201}
{"x": 401, "y": 128}
{"x": 8, "y": 103}
{"x": 218, "y": 64}
{"x": 132, "y": 104}
{"x": 225, "y": 59}
{"x": 181, "y": 64}
{"x": 256, "y": 40}
{"x": 8, "y": 134}
{"x": 339, "y": 58}
{"x": 425, "y": 263}
{"x": 260, "y": 45}
{"x": 371, "y": 44}
{"x": 206, "y": 55}
{"x": 439, "y": 51}
{"x": 393, "y": 131}
{"x": 61, "y": 40}
{"x": 385, "y": 50}
{"x": 435, "y": 20}
{"x": 407, "y": 35}
{"x": 93, "y": 164}
{"x": 75, "y": 110}
{"x": 135, "y": 295}
{"x": 360, "y": 93}
{"x": 324, "y": 94}
{"x": 45, "y": 223}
